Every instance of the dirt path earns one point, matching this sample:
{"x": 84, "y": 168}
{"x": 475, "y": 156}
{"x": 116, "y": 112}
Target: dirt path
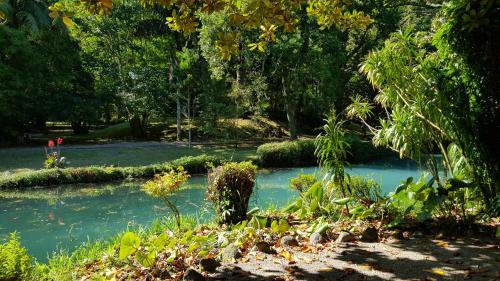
{"x": 414, "y": 259}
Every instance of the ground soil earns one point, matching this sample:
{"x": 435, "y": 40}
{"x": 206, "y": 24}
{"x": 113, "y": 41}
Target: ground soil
{"x": 422, "y": 258}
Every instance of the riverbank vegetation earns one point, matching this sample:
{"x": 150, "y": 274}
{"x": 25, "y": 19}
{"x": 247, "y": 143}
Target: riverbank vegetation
{"x": 418, "y": 79}
{"x": 51, "y": 177}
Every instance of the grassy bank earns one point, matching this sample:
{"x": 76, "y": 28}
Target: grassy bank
{"x": 301, "y": 153}
{"x": 94, "y": 174}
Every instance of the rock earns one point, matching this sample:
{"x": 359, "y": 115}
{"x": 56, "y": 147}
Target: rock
{"x": 315, "y": 239}
{"x": 289, "y": 241}
{"x": 230, "y": 253}
{"x": 209, "y": 265}
{"x": 193, "y": 275}
{"x": 370, "y": 234}
{"x": 345, "y": 236}
{"x": 264, "y": 247}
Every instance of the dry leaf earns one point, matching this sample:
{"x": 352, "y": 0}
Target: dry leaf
{"x": 438, "y": 271}
{"x": 326, "y": 269}
{"x": 442, "y": 244}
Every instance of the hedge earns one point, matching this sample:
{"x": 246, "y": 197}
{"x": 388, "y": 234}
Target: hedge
{"x": 287, "y": 154}
{"x": 300, "y": 153}
{"x": 94, "y": 174}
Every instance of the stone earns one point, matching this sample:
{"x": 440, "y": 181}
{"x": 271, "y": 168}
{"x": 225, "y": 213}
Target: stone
{"x": 230, "y": 253}
{"x": 264, "y": 247}
{"x": 345, "y": 236}
{"x": 192, "y": 275}
{"x": 209, "y": 264}
{"x": 315, "y": 239}
{"x": 289, "y": 241}
{"x": 370, "y": 234}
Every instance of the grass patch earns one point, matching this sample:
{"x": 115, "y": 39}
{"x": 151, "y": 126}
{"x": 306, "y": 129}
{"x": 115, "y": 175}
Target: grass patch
{"x": 48, "y": 177}
{"x": 123, "y": 155}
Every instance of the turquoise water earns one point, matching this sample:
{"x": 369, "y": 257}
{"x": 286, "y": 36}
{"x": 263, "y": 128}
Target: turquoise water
{"x": 71, "y": 215}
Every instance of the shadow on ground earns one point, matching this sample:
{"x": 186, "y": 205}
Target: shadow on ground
{"x": 414, "y": 259}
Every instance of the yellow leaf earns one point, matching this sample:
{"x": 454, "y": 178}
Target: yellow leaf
{"x": 287, "y": 255}
{"x": 442, "y": 244}
{"x": 438, "y": 271}
{"x": 54, "y": 14}
{"x": 260, "y": 257}
{"x": 67, "y": 21}
{"x": 326, "y": 269}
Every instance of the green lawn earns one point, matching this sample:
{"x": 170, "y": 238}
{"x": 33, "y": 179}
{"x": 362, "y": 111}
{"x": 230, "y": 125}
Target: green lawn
{"x": 32, "y": 158}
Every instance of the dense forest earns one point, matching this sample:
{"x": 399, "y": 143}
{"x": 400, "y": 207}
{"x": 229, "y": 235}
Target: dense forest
{"x": 416, "y": 78}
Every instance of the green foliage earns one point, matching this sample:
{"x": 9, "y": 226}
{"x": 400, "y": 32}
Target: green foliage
{"x": 129, "y": 244}
{"x": 15, "y": 263}
{"x": 229, "y": 188}
{"x": 47, "y": 177}
{"x": 302, "y": 182}
{"x": 287, "y": 154}
{"x": 331, "y": 150}
{"x": 364, "y": 189}
{"x": 165, "y": 185}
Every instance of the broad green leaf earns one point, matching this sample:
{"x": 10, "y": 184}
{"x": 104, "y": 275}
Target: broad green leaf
{"x": 283, "y": 226}
{"x": 160, "y": 242}
{"x": 129, "y": 244}
{"x": 275, "y": 226}
{"x": 146, "y": 259}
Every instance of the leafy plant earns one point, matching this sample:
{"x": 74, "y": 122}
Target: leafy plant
{"x": 15, "y": 264}
{"x": 331, "y": 149}
{"x": 302, "y": 182}
{"x": 229, "y": 188}
{"x": 53, "y": 155}
{"x": 165, "y": 185}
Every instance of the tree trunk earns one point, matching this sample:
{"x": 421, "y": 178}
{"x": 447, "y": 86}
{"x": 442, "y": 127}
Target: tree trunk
{"x": 189, "y": 116}
{"x": 178, "y": 100}
{"x": 291, "y": 111}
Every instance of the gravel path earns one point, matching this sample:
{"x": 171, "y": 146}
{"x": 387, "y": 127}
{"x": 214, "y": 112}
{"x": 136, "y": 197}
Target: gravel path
{"x": 414, "y": 259}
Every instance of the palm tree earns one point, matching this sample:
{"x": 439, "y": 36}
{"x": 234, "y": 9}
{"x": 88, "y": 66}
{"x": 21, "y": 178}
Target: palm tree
{"x": 31, "y": 15}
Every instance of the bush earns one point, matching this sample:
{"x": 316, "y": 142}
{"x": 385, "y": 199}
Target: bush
{"x": 300, "y": 153}
{"x": 15, "y": 264}
{"x": 287, "y": 154}
{"x": 229, "y": 188}
{"x": 364, "y": 189}
{"x": 47, "y": 177}
{"x": 302, "y": 182}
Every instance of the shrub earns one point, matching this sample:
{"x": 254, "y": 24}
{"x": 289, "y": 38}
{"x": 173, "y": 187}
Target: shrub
{"x": 15, "y": 264}
{"x": 229, "y": 188}
{"x": 301, "y": 152}
{"x": 302, "y": 182}
{"x": 165, "y": 185}
{"x": 287, "y": 154}
{"x": 364, "y": 189}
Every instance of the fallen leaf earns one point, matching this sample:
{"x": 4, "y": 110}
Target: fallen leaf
{"x": 326, "y": 269}
{"x": 438, "y": 271}
{"x": 260, "y": 257}
{"x": 287, "y": 255}
{"x": 442, "y": 244}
